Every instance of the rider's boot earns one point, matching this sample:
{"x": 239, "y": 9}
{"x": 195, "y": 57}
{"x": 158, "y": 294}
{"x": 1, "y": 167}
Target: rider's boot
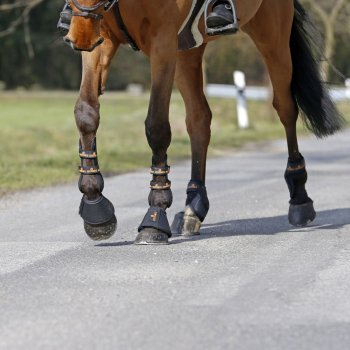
{"x": 222, "y": 20}
{"x": 65, "y": 19}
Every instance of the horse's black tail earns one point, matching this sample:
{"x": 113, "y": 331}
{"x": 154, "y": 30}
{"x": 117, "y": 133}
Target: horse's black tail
{"x": 309, "y": 91}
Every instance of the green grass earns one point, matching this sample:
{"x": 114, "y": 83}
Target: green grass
{"x": 39, "y": 140}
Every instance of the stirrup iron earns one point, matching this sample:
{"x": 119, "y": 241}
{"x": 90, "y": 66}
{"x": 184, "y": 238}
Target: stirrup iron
{"x": 227, "y": 29}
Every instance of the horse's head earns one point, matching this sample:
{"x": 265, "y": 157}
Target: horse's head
{"x": 84, "y": 31}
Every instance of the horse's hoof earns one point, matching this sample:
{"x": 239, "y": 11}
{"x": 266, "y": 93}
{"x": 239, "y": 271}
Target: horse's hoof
{"x": 178, "y": 223}
{"x": 186, "y": 223}
{"x": 192, "y": 224}
{"x": 101, "y": 232}
{"x": 301, "y": 214}
{"x": 151, "y": 236}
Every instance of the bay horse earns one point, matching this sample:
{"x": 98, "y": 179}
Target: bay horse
{"x": 278, "y": 29}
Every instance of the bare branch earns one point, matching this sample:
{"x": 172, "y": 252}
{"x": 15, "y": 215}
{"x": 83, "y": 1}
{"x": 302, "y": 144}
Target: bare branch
{"x": 17, "y": 4}
{"x": 9, "y": 7}
{"x": 12, "y": 27}
{"x": 328, "y": 14}
{"x": 27, "y": 37}
{"x": 318, "y": 10}
{"x": 336, "y": 9}
{"x": 23, "y": 18}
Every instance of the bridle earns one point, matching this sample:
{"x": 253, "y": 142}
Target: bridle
{"x": 88, "y": 11}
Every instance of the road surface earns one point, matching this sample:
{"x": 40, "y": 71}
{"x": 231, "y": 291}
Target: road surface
{"x": 250, "y": 281}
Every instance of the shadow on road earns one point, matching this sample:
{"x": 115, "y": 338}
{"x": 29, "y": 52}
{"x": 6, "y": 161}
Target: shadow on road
{"x": 327, "y": 219}
{"x": 115, "y": 244}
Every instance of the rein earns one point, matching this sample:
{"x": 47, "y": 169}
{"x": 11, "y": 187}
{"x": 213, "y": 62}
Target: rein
{"x": 123, "y": 28}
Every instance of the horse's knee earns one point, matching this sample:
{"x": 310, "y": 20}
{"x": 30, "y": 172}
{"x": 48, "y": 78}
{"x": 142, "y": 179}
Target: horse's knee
{"x": 87, "y": 116}
{"x": 154, "y": 127}
{"x": 158, "y": 134}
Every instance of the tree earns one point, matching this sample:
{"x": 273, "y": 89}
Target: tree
{"x": 231, "y": 53}
{"x": 29, "y": 26}
{"x": 330, "y": 15}
{"x": 25, "y": 7}
{"x": 54, "y": 65}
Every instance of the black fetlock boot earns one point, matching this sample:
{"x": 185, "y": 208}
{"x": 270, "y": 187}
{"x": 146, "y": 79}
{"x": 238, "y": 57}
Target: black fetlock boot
{"x": 96, "y": 210}
{"x": 222, "y": 20}
{"x": 64, "y": 20}
{"x": 188, "y": 222}
{"x": 301, "y": 208}
{"x": 154, "y": 228}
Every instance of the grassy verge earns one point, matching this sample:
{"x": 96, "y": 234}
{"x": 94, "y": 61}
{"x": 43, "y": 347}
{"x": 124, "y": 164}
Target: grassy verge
{"x": 38, "y": 137}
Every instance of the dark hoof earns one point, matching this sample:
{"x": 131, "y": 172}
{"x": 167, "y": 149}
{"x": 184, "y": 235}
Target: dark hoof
{"x": 301, "y": 214}
{"x": 102, "y": 231}
{"x": 186, "y": 223}
{"x": 191, "y": 223}
{"x": 151, "y": 236}
{"x": 178, "y": 223}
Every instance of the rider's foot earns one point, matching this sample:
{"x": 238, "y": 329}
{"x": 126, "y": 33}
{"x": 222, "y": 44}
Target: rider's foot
{"x": 221, "y": 15}
{"x": 65, "y": 19}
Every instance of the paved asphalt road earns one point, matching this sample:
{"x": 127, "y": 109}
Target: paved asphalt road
{"x": 250, "y": 281}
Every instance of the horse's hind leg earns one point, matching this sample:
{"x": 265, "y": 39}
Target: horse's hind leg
{"x": 270, "y": 30}
{"x": 189, "y": 79}
{"x": 154, "y": 229}
{"x": 96, "y": 210}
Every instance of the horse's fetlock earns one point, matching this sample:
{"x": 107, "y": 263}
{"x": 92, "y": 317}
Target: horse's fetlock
{"x": 197, "y": 199}
{"x": 91, "y": 185}
{"x": 160, "y": 198}
{"x": 296, "y": 178}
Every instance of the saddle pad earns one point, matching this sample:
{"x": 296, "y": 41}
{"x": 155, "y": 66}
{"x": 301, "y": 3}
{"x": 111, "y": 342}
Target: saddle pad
{"x": 189, "y": 35}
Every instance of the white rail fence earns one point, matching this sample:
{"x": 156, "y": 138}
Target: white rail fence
{"x": 242, "y": 93}
{"x": 263, "y": 93}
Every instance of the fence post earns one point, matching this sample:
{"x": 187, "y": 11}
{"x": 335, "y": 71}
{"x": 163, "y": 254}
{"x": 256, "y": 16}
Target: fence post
{"x": 347, "y": 85}
{"x": 242, "y": 112}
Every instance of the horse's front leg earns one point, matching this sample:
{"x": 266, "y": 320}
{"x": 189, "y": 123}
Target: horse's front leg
{"x": 154, "y": 228}
{"x": 95, "y": 209}
{"x": 189, "y": 79}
